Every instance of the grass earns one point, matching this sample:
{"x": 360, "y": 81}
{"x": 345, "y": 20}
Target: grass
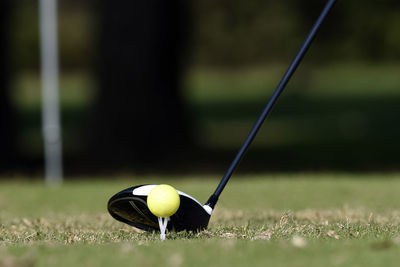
{"x": 347, "y": 105}
{"x": 273, "y": 220}
{"x": 340, "y": 116}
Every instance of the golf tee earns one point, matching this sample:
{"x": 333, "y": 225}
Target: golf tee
{"x": 163, "y": 226}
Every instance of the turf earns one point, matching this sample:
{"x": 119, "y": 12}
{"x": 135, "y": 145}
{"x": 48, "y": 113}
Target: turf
{"x": 331, "y": 117}
{"x": 261, "y": 220}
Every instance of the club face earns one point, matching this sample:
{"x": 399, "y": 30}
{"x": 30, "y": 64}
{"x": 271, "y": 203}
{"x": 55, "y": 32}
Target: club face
{"x": 130, "y": 206}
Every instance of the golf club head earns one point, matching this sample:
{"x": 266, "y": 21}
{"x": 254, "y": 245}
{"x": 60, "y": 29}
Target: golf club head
{"x": 130, "y": 206}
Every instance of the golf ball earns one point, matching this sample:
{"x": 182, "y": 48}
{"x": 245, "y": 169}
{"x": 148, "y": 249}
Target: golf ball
{"x": 163, "y": 201}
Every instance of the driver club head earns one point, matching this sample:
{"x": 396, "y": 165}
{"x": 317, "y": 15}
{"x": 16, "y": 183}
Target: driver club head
{"x": 130, "y": 206}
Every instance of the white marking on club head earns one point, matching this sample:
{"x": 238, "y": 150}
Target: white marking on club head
{"x": 145, "y": 190}
{"x": 208, "y": 209}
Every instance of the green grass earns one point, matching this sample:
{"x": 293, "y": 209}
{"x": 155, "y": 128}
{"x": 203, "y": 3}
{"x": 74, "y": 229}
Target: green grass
{"x": 342, "y": 116}
{"x": 333, "y": 105}
{"x": 273, "y": 220}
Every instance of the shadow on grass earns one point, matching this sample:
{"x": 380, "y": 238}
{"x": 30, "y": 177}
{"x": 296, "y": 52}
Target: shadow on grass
{"x": 303, "y": 133}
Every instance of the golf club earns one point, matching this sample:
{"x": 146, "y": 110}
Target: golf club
{"x": 130, "y": 206}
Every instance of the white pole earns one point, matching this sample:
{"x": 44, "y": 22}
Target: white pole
{"x": 50, "y": 98}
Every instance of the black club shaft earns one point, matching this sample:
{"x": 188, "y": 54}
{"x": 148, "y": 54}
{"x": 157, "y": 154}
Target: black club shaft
{"x": 281, "y": 86}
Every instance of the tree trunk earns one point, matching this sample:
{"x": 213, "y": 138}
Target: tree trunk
{"x": 7, "y": 132}
{"x": 138, "y": 115}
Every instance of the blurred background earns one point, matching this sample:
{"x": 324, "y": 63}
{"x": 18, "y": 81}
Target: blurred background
{"x": 174, "y": 86}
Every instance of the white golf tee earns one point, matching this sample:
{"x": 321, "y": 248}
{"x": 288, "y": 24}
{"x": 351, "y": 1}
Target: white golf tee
{"x": 163, "y": 226}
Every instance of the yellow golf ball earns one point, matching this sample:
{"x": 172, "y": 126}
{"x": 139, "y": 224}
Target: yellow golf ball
{"x": 163, "y": 200}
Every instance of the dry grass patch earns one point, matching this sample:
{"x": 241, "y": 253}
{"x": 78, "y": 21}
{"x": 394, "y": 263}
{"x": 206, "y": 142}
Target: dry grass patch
{"x": 310, "y": 224}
